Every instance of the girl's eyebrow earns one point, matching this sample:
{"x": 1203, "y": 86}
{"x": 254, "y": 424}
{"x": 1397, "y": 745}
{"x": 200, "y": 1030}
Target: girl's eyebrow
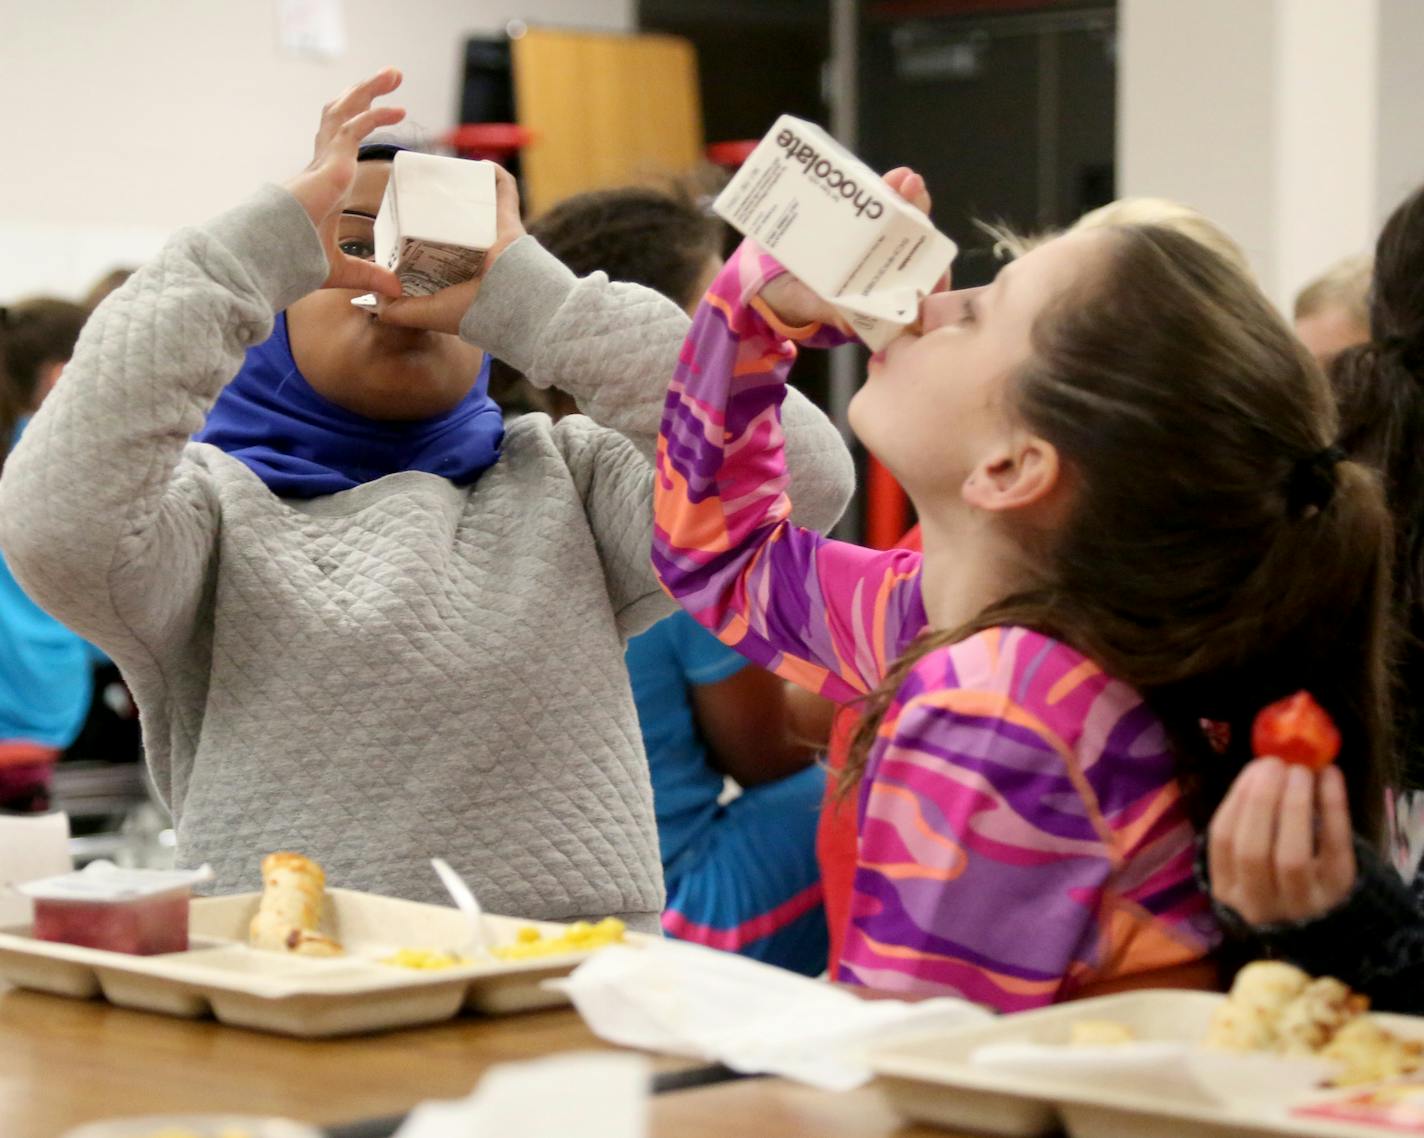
{"x": 359, "y": 213}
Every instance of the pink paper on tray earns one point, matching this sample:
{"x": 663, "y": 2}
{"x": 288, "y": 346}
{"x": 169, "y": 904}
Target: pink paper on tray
{"x": 1398, "y": 1107}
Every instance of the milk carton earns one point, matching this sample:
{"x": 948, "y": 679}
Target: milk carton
{"x": 436, "y": 221}
{"x": 837, "y": 226}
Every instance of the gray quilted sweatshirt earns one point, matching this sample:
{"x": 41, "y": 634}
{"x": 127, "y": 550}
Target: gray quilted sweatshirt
{"x": 403, "y": 670}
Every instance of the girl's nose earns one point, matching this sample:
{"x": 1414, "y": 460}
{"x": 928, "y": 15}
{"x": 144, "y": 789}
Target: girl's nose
{"x": 941, "y": 308}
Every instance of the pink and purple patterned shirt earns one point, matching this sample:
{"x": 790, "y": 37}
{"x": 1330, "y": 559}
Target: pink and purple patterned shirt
{"x": 1021, "y": 828}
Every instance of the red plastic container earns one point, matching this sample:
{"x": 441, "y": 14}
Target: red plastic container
{"x": 142, "y": 927}
{"x": 136, "y": 911}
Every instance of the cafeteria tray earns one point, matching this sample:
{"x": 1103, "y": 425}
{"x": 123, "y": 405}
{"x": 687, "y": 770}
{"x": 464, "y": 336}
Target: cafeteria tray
{"x": 932, "y": 1080}
{"x": 221, "y": 976}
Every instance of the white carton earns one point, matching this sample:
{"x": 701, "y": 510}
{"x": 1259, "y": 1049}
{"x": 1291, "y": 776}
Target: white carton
{"x": 837, "y": 226}
{"x": 436, "y": 220}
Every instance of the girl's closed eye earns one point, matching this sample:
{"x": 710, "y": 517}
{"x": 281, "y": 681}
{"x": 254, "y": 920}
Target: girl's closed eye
{"x": 968, "y": 314}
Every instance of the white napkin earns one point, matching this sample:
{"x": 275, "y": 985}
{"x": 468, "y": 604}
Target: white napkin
{"x": 30, "y": 848}
{"x": 684, "y": 999}
{"x": 1180, "y": 1070}
{"x": 581, "y": 1093}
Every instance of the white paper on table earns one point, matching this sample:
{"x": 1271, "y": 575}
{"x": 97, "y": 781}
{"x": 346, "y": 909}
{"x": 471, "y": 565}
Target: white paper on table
{"x": 1180, "y": 1070}
{"x": 685, "y": 999}
{"x": 582, "y": 1093}
{"x": 30, "y": 848}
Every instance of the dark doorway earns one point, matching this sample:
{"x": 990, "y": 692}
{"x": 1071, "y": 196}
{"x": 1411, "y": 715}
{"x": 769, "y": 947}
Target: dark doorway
{"x": 1011, "y": 116}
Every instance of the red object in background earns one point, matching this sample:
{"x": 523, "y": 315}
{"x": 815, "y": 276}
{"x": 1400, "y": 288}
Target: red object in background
{"x": 731, "y": 154}
{"x": 1297, "y": 730}
{"x": 494, "y": 141}
{"x": 836, "y": 828}
{"x": 887, "y": 510}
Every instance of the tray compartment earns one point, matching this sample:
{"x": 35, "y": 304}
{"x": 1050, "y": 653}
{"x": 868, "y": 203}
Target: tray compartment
{"x": 311, "y": 997}
{"x": 931, "y": 1080}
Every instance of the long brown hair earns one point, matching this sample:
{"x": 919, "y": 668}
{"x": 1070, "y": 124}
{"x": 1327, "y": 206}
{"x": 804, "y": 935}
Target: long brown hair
{"x": 1218, "y": 554}
{"x": 1380, "y": 390}
{"x": 33, "y": 333}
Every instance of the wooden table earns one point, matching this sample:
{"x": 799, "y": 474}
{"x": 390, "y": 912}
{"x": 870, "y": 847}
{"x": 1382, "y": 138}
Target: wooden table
{"x": 774, "y": 1108}
{"x": 64, "y": 1062}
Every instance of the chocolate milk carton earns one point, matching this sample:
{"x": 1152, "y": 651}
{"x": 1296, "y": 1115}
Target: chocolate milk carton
{"x": 436, "y": 220}
{"x": 837, "y": 226}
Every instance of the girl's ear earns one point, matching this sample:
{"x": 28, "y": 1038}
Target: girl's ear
{"x": 1022, "y": 473}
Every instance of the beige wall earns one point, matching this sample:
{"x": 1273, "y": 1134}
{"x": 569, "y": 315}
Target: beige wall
{"x": 127, "y": 118}
{"x": 1294, "y": 123}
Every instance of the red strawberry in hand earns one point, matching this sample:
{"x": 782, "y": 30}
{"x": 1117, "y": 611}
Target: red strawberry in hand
{"x": 1296, "y": 730}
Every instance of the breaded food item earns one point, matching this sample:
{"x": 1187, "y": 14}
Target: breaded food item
{"x": 1310, "y": 1021}
{"x": 1369, "y": 1053}
{"x": 1099, "y": 1033}
{"x": 1269, "y": 985}
{"x": 1276, "y": 1007}
{"x": 293, "y": 891}
{"x": 1248, "y": 1019}
{"x": 1241, "y": 1027}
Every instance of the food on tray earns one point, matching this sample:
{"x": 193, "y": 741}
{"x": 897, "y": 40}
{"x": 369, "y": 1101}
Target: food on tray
{"x": 426, "y": 959}
{"x": 293, "y": 890}
{"x": 1298, "y": 730}
{"x": 581, "y": 936}
{"x": 1247, "y": 1020}
{"x": 1368, "y": 1053}
{"x": 1099, "y": 1033}
{"x": 1311, "y": 1020}
{"x": 141, "y": 912}
{"x": 1274, "y": 1006}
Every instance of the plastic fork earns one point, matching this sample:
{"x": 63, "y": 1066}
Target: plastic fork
{"x": 465, "y": 901}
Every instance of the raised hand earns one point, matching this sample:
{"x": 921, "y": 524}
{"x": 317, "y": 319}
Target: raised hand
{"x": 1280, "y": 845}
{"x": 323, "y": 187}
{"x": 443, "y": 310}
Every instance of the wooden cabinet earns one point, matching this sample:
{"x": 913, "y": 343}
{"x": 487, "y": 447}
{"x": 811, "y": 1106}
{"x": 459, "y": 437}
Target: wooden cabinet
{"x": 605, "y": 110}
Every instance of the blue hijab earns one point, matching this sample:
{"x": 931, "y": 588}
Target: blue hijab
{"x": 304, "y": 446}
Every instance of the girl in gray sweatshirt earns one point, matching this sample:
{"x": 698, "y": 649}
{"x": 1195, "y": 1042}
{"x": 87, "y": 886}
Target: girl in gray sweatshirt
{"x": 357, "y": 621}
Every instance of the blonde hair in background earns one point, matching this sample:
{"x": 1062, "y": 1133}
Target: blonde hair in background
{"x": 1161, "y": 212}
{"x": 1344, "y": 285}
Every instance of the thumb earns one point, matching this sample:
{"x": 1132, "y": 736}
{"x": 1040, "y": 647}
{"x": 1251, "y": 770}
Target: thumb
{"x": 506, "y": 208}
{"x": 353, "y": 272}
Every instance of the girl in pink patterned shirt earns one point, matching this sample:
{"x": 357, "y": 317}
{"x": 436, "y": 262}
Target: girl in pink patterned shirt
{"x": 1134, "y": 520}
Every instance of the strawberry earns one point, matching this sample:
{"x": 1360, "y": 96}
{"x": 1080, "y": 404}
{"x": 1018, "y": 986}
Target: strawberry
{"x": 1297, "y": 730}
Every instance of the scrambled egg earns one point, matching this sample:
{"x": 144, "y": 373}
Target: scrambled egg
{"x": 529, "y": 942}
{"x": 426, "y": 959}
{"x": 581, "y": 936}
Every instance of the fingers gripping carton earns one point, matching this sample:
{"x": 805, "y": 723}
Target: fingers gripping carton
{"x": 436, "y": 221}
{"x": 837, "y": 226}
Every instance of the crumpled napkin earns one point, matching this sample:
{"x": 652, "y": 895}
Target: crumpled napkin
{"x": 684, "y": 999}
{"x": 1178, "y": 1069}
{"x": 580, "y": 1093}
